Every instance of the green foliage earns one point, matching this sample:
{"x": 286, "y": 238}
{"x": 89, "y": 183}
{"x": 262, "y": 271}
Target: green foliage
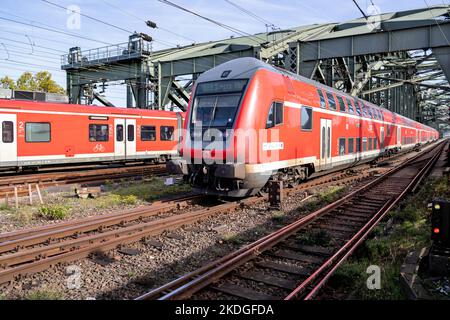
{"x": 353, "y": 276}
{"x": 45, "y": 83}
{"x": 7, "y": 83}
{"x": 41, "y": 81}
{"x": 442, "y": 188}
{"x": 149, "y": 190}
{"x": 331, "y": 194}
{"x": 231, "y": 238}
{"x": 411, "y": 231}
{"x": 54, "y": 212}
{"x": 27, "y": 82}
{"x": 278, "y": 216}
{"x": 315, "y": 237}
{"x": 129, "y": 200}
{"x": 349, "y": 275}
{"x": 378, "y": 248}
{"x": 44, "y": 295}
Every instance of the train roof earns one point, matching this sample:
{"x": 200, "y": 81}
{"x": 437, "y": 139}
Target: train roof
{"x": 246, "y": 68}
{"x": 76, "y": 108}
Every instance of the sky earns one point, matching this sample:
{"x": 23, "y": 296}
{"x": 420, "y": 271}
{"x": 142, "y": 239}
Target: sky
{"x": 28, "y": 47}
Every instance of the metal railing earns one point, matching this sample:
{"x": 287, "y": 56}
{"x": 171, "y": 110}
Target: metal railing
{"x": 106, "y": 54}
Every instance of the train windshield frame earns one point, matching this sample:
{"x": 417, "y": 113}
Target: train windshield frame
{"x": 216, "y": 103}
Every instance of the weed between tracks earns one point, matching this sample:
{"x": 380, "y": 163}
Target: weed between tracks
{"x": 407, "y": 229}
{"x": 44, "y": 295}
{"x": 64, "y": 205}
{"x": 54, "y": 212}
{"x": 152, "y": 189}
{"x": 315, "y": 237}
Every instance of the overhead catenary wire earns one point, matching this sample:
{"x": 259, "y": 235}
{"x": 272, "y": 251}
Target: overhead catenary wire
{"x": 125, "y": 12}
{"x": 87, "y": 16}
{"x": 220, "y": 24}
{"x": 267, "y": 23}
{"x": 51, "y": 29}
{"x": 33, "y": 45}
{"x": 104, "y": 22}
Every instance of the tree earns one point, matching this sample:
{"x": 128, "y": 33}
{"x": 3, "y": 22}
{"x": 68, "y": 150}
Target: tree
{"x": 26, "y": 82}
{"x": 41, "y": 81}
{"x": 7, "y": 83}
{"x": 47, "y": 84}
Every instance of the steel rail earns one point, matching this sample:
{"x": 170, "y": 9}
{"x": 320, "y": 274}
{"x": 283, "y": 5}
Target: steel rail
{"x": 47, "y": 234}
{"x": 41, "y": 258}
{"x": 190, "y": 283}
{"x": 7, "y": 184}
{"x": 357, "y": 239}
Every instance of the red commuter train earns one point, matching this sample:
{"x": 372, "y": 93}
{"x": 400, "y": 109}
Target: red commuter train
{"x": 36, "y": 134}
{"x": 248, "y": 122}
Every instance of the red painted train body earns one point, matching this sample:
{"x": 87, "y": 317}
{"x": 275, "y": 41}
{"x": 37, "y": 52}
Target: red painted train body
{"x": 36, "y": 134}
{"x": 248, "y": 121}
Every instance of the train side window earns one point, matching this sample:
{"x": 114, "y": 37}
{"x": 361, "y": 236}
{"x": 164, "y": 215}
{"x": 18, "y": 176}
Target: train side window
{"x": 130, "y": 132}
{"x": 351, "y": 145}
{"x": 322, "y": 99}
{"x": 341, "y": 104}
{"x": 364, "y": 142}
{"x": 370, "y": 144}
{"x": 364, "y": 111}
{"x": 275, "y": 116}
{"x": 166, "y": 133}
{"x": 351, "y": 108}
{"x": 98, "y": 132}
{"x": 342, "y": 146}
{"x": 358, "y": 144}
{"x": 37, "y": 132}
{"x": 148, "y": 133}
{"x": 7, "y": 132}
{"x": 369, "y": 111}
{"x": 331, "y": 101}
{"x": 307, "y": 118}
{"x": 375, "y": 143}
{"x": 119, "y": 132}
{"x": 358, "y": 108}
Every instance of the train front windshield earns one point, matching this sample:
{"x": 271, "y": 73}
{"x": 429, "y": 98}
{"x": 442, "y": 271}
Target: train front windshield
{"x": 216, "y": 104}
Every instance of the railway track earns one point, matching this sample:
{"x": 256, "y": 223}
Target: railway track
{"x": 32, "y": 250}
{"x": 29, "y": 251}
{"x": 44, "y": 180}
{"x": 289, "y": 267}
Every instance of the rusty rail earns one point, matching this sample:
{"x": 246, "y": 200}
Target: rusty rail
{"x": 203, "y": 278}
{"x": 44, "y": 180}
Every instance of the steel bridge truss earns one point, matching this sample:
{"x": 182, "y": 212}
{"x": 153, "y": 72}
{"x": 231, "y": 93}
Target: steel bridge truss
{"x": 401, "y": 62}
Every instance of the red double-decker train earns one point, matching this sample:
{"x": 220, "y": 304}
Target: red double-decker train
{"x": 249, "y": 122}
{"x": 40, "y": 134}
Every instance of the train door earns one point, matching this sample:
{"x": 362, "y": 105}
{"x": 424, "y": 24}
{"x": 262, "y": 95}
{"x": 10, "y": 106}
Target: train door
{"x": 399, "y": 136}
{"x": 180, "y": 130}
{"x": 119, "y": 139}
{"x": 8, "y": 143}
{"x": 325, "y": 143}
{"x": 381, "y": 138}
{"x": 130, "y": 150}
